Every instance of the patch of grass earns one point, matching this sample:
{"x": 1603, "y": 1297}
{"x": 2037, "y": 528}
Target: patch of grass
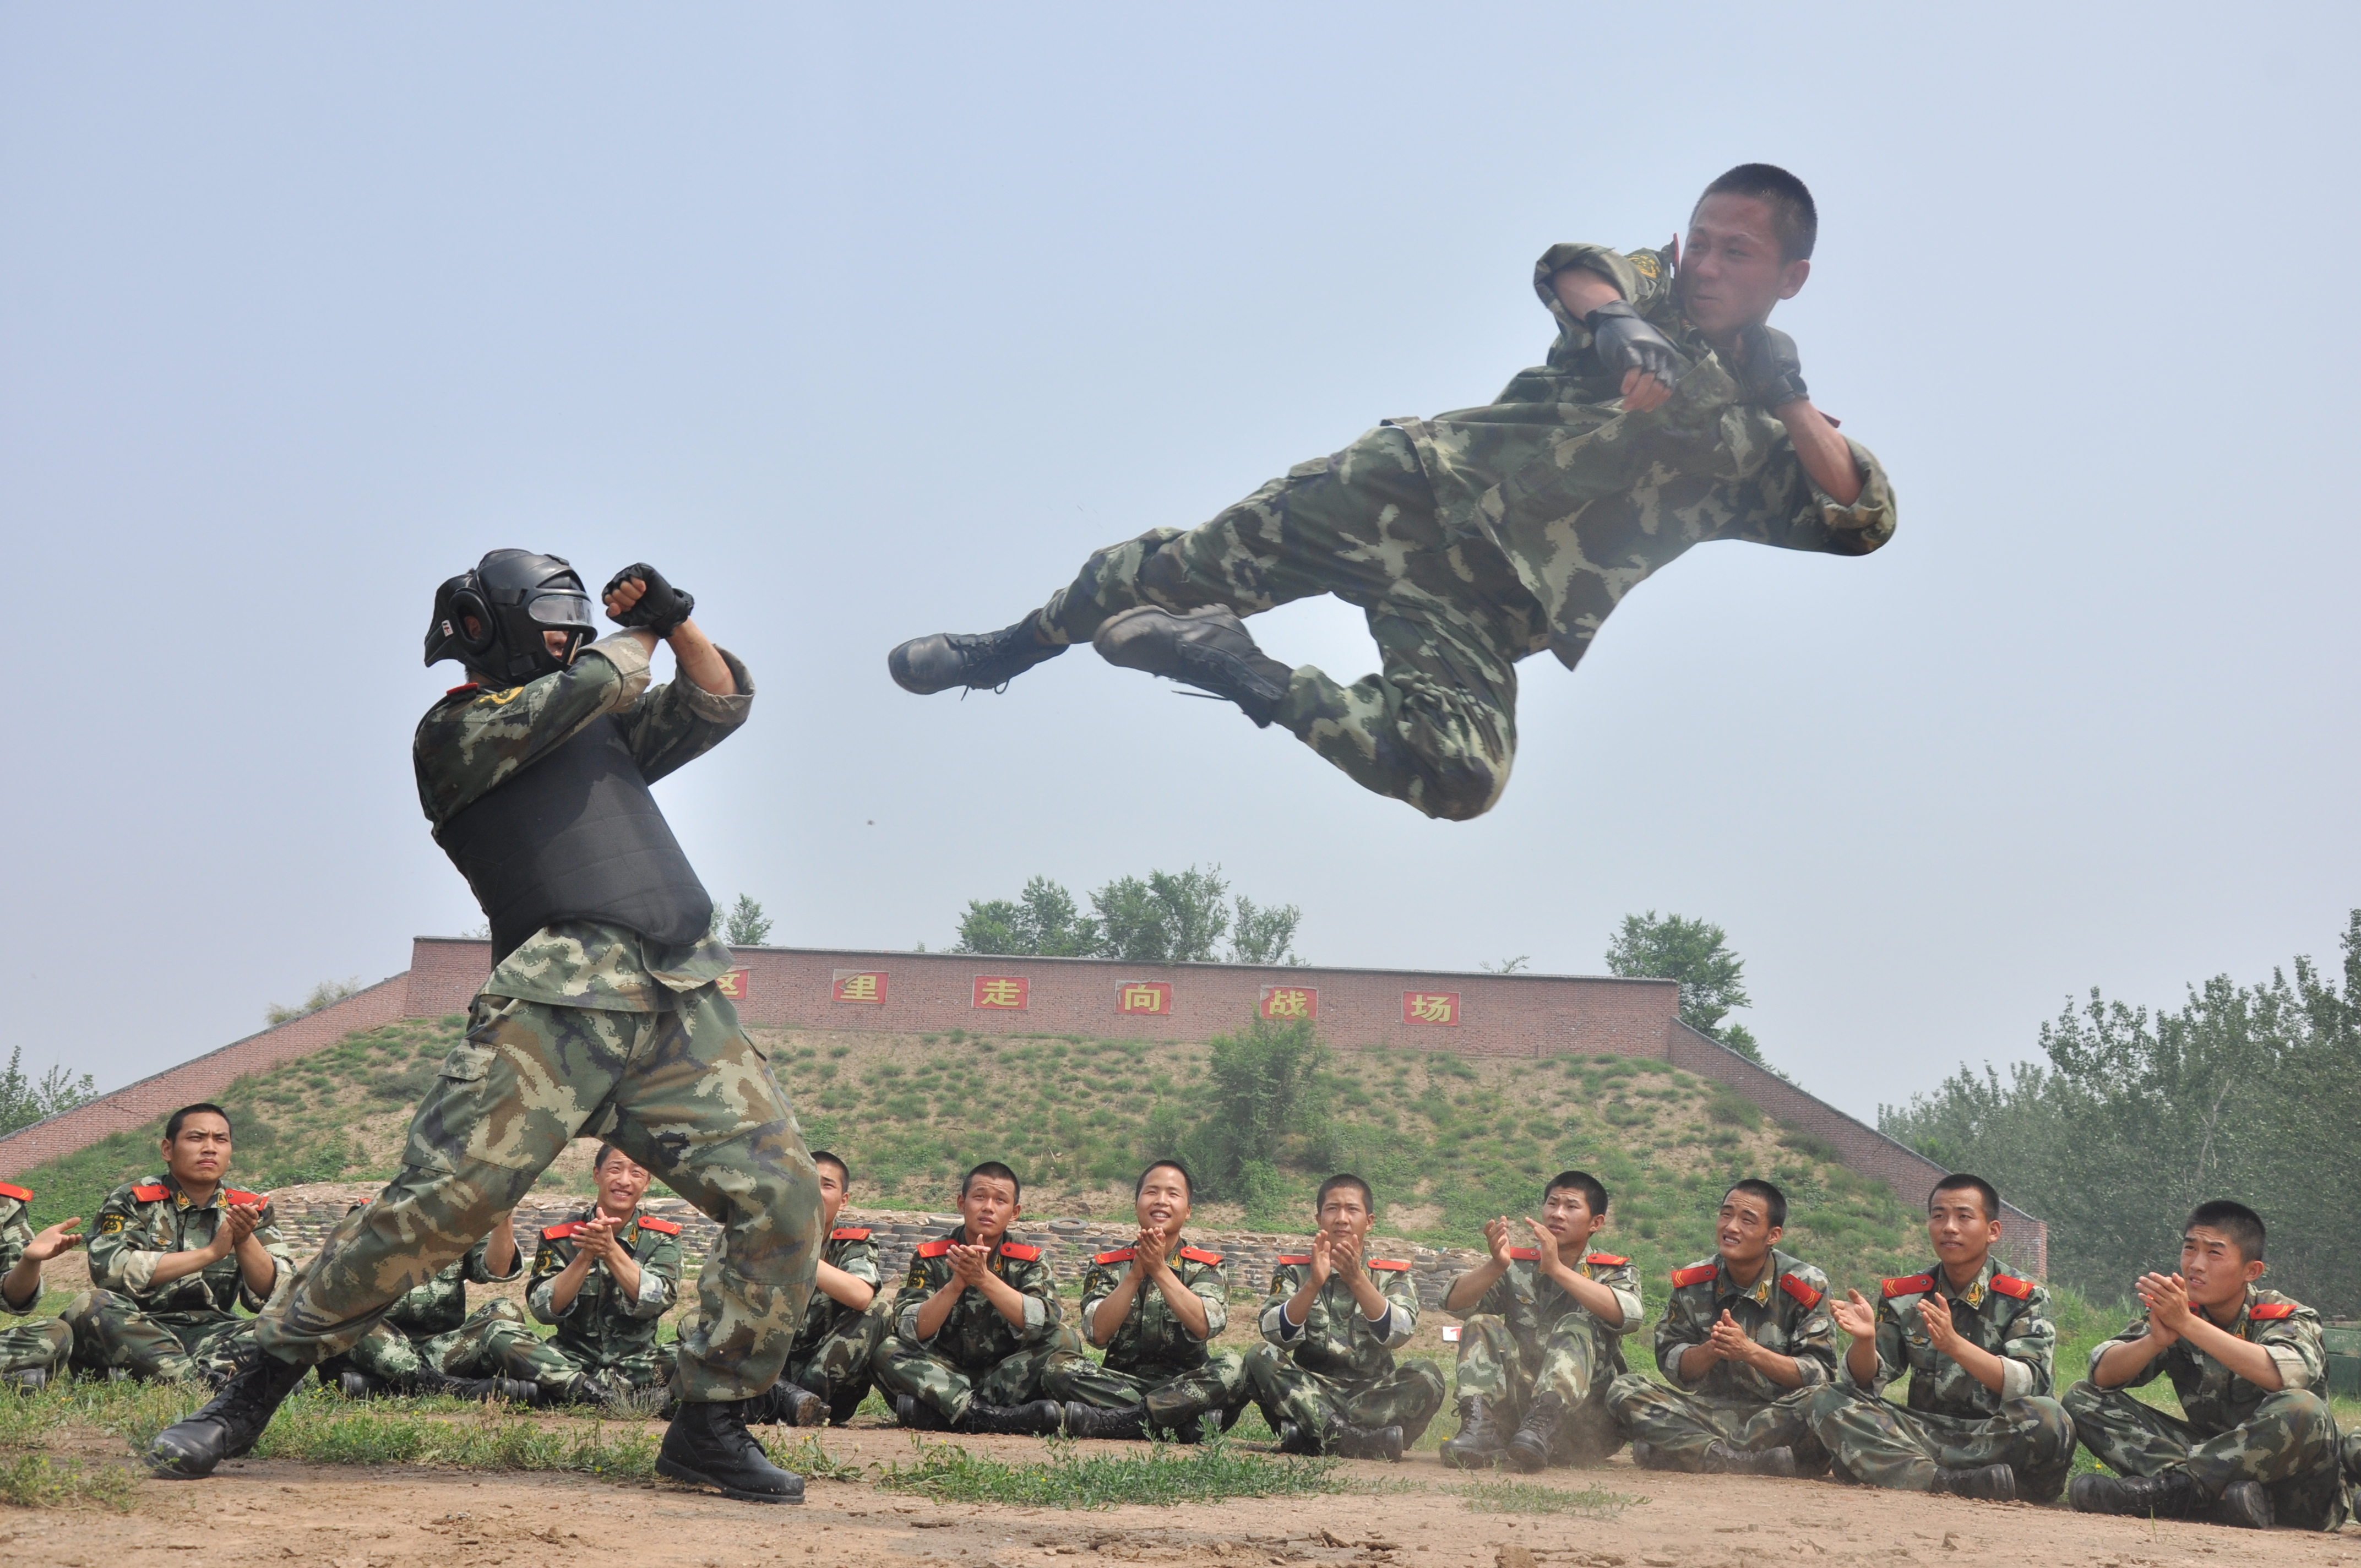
{"x": 1525, "y": 1498}
{"x": 1208, "y": 1472}
{"x": 37, "y": 1481}
{"x": 325, "y": 1429}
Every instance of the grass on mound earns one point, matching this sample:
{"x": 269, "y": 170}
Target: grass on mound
{"x": 1156, "y": 1474}
{"x": 1525, "y": 1498}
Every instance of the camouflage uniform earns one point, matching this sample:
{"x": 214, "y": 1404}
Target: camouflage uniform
{"x": 588, "y": 1030}
{"x": 976, "y": 1355}
{"x": 1527, "y": 1336}
{"x": 29, "y": 1347}
{"x": 836, "y": 1349}
{"x": 1153, "y": 1360}
{"x": 1339, "y": 1367}
{"x": 183, "y": 1329}
{"x": 1785, "y": 1311}
{"x": 1479, "y": 537}
{"x": 603, "y": 1333}
{"x": 429, "y": 1330}
{"x": 1950, "y": 1421}
{"x": 2234, "y": 1430}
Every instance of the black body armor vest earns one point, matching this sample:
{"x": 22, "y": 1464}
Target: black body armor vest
{"x": 577, "y": 836}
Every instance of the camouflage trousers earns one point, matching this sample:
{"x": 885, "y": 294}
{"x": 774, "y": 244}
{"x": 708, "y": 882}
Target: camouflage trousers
{"x": 1569, "y": 1363}
{"x": 1177, "y": 1397}
{"x": 1407, "y": 1396}
{"x": 1878, "y": 1441}
{"x": 1436, "y": 725}
{"x": 565, "y": 1362}
{"x": 683, "y": 1092}
{"x": 1681, "y": 1426}
{"x": 493, "y": 1342}
{"x": 44, "y": 1346}
{"x": 906, "y": 1366}
{"x": 109, "y": 1333}
{"x": 839, "y": 1366}
{"x": 2289, "y": 1444}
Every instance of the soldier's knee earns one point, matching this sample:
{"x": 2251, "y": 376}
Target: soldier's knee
{"x": 2085, "y": 1400}
{"x": 85, "y": 1308}
{"x": 1458, "y": 787}
{"x": 1830, "y": 1402}
{"x": 2304, "y": 1413}
{"x": 1628, "y": 1392}
{"x": 503, "y": 1310}
{"x": 1262, "y": 1367}
{"x": 1427, "y": 1375}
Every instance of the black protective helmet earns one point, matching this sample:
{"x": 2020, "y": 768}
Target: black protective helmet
{"x": 513, "y": 596}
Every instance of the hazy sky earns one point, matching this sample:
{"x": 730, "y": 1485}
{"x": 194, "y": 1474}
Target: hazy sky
{"x": 862, "y": 326}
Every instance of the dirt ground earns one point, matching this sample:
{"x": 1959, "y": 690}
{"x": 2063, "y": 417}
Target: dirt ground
{"x": 281, "y": 1513}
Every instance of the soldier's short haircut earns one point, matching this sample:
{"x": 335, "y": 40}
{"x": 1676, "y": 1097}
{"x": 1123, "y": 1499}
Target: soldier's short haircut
{"x": 1344, "y": 1178}
{"x": 844, "y": 1171}
{"x": 1795, "y": 218}
{"x": 1187, "y": 1181}
{"x": 598, "y": 1160}
{"x": 1593, "y": 1190}
{"x": 172, "y": 1123}
{"x": 1961, "y": 1181}
{"x": 2236, "y": 1221}
{"x": 1775, "y": 1202}
{"x": 998, "y": 1172}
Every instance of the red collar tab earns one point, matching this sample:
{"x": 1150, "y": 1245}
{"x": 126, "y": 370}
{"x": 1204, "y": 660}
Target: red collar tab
{"x": 1606, "y": 1260}
{"x": 1020, "y": 1252}
{"x": 559, "y": 1233}
{"x": 8, "y": 1189}
{"x": 1908, "y": 1284}
{"x": 153, "y": 1193}
{"x": 1526, "y": 1253}
{"x": 1297, "y": 1259}
{"x": 2008, "y": 1285}
{"x": 1799, "y": 1290}
{"x": 470, "y": 687}
{"x": 235, "y": 1196}
{"x": 1199, "y": 1254}
{"x": 661, "y": 1227}
{"x": 1390, "y": 1264}
{"x": 2271, "y": 1311}
{"x": 1120, "y": 1254}
{"x": 849, "y": 1233}
{"x": 935, "y": 1248}
{"x": 1695, "y": 1274}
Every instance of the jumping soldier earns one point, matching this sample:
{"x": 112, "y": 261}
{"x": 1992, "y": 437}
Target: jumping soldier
{"x": 30, "y": 1354}
{"x": 604, "y": 1278}
{"x": 832, "y": 1363}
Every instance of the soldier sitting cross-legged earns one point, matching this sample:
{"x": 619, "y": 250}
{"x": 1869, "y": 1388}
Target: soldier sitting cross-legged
{"x": 2255, "y": 1444}
{"x": 429, "y": 1343}
{"x": 1746, "y": 1340}
{"x": 1544, "y": 1337}
{"x": 604, "y": 1279}
{"x": 30, "y": 1354}
{"x": 1325, "y": 1376}
{"x": 832, "y": 1362}
{"x": 1154, "y": 1305}
{"x": 976, "y": 1322}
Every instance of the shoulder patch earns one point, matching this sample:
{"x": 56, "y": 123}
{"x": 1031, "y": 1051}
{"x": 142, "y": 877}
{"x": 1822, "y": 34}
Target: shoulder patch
{"x": 9, "y": 1190}
{"x": 1606, "y": 1260}
{"x": 1526, "y": 1253}
{"x": 1390, "y": 1264}
{"x": 1020, "y": 1252}
{"x": 1695, "y": 1274}
{"x": 1199, "y": 1254}
{"x": 1298, "y": 1258}
{"x": 235, "y": 1196}
{"x": 1799, "y": 1290}
{"x": 1120, "y": 1254}
{"x": 661, "y": 1227}
{"x": 456, "y": 691}
{"x": 1908, "y": 1284}
{"x": 559, "y": 1233}
{"x": 849, "y": 1233}
{"x": 935, "y": 1248}
{"x": 2272, "y": 1311}
{"x": 2009, "y": 1284}
{"x": 151, "y": 1192}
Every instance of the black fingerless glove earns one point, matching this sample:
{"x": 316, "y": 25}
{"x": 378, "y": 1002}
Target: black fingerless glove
{"x": 1773, "y": 373}
{"x": 1626, "y": 341}
{"x": 661, "y": 610}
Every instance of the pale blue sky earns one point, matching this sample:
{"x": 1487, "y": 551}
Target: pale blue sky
{"x": 863, "y": 325}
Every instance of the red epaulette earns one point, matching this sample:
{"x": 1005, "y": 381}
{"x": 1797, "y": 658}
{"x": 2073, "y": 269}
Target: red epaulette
{"x": 1606, "y": 1260}
{"x": 235, "y": 1196}
{"x": 936, "y": 1248}
{"x": 2271, "y": 1311}
{"x": 2007, "y": 1284}
{"x": 1526, "y": 1253}
{"x": 661, "y": 1227}
{"x": 154, "y": 1192}
{"x": 1695, "y": 1274}
{"x": 1799, "y": 1290}
{"x": 1199, "y": 1254}
{"x": 559, "y": 1233}
{"x": 1295, "y": 1258}
{"x": 455, "y": 691}
{"x": 1120, "y": 1254}
{"x": 1020, "y": 1252}
{"x": 849, "y": 1233}
{"x": 1907, "y": 1285}
{"x": 1390, "y": 1264}
{"x": 8, "y": 1189}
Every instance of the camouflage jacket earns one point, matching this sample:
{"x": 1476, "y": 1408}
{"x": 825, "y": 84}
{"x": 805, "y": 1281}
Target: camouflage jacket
{"x": 2006, "y": 1316}
{"x": 975, "y": 1337}
{"x": 850, "y": 1249}
{"x": 16, "y": 1236}
{"x": 1337, "y": 1338}
{"x": 476, "y": 739}
{"x": 441, "y": 1304}
{"x": 2213, "y": 1398}
{"x": 1150, "y": 1336}
{"x": 601, "y": 1326}
{"x": 1532, "y": 1305}
{"x": 1585, "y": 500}
{"x": 142, "y": 1221}
{"x": 1785, "y": 1311}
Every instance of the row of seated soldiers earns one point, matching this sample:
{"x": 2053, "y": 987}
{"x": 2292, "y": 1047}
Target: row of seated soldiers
{"x": 976, "y": 1340}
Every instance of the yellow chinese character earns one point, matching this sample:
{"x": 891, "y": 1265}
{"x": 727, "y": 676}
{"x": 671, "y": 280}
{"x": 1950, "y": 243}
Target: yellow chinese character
{"x": 1431, "y": 1007}
{"x": 1141, "y": 998}
{"x": 1289, "y": 1004}
{"x": 1000, "y": 993}
{"x": 858, "y": 988}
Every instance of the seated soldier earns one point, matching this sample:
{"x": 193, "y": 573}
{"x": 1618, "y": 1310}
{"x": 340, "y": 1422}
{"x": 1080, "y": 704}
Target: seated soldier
{"x": 830, "y": 1364}
{"x": 1746, "y": 1341}
{"x": 1978, "y": 1421}
{"x": 30, "y": 1354}
{"x": 1325, "y": 1377}
{"x": 605, "y": 1279}
{"x": 975, "y": 1322}
{"x": 1544, "y": 1337}
{"x": 1153, "y": 1306}
{"x": 428, "y": 1343}
{"x": 2259, "y": 1444}
{"x": 170, "y": 1257}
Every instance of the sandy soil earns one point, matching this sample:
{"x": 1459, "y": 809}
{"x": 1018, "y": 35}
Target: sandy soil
{"x": 279, "y": 1513}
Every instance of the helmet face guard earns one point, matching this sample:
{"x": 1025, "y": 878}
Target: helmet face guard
{"x": 513, "y": 597}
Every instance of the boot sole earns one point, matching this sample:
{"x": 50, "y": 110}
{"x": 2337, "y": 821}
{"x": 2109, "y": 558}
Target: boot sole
{"x": 1125, "y": 651}
{"x": 675, "y": 1470}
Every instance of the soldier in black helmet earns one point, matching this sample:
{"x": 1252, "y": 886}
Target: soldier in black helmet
{"x": 601, "y": 1017}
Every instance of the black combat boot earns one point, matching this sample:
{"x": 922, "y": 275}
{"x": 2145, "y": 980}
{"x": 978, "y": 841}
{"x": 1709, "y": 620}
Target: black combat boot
{"x": 354, "y": 1384}
{"x": 708, "y": 1446}
{"x": 1090, "y": 1421}
{"x": 1720, "y": 1459}
{"x": 2172, "y": 1494}
{"x": 1293, "y": 1439}
{"x": 1041, "y": 1418}
{"x": 2245, "y": 1505}
{"x": 1209, "y": 649}
{"x": 1480, "y": 1439}
{"x": 1529, "y": 1450}
{"x": 1646, "y": 1455}
{"x": 515, "y": 1390}
{"x": 843, "y": 1404}
{"x": 983, "y": 661}
{"x": 787, "y": 1405}
{"x": 1366, "y": 1443}
{"x": 32, "y": 1380}
{"x": 1987, "y": 1483}
{"x": 917, "y": 1415}
{"x": 228, "y": 1424}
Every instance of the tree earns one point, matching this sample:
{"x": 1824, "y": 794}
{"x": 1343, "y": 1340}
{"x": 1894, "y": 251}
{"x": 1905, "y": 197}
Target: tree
{"x": 1697, "y": 953}
{"x": 1174, "y": 917}
{"x": 1163, "y": 917}
{"x": 1265, "y": 1086}
{"x": 1509, "y": 965}
{"x": 327, "y": 993}
{"x": 1264, "y": 935}
{"x": 747, "y": 925}
{"x": 24, "y": 1101}
{"x": 1043, "y": 920}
